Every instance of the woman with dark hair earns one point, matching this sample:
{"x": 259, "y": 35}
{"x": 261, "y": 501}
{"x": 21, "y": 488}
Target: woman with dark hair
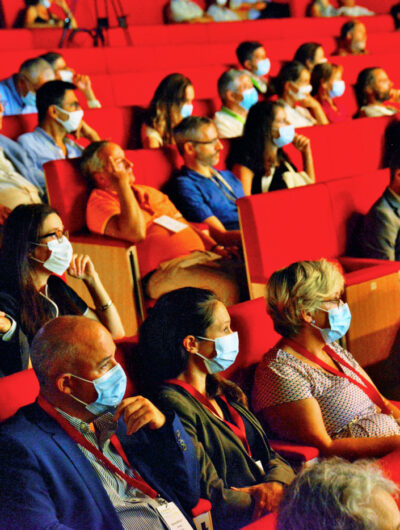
{"x": 35, "y": 252}
{"x": 38, "y": 15}
{"x": 184, "y": 343}
{"x": 327, "y": 88}
{"x": 310, "y": 54}
{"x": 294, "y": 90}
{"x": 260, "y": 163}
{"x": 172, "y": 101}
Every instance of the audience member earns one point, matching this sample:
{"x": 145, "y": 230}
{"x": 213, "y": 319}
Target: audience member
{"x": 63, "y": 72}
{"x": 308, "y": 388}
{"x": 237, "y": 94}
{"x": 337, "y": 494}
{"x": 61, "y": 464}
{"x": 186, "y": 11}
{"x": 172, "y": 101}
{"x": 375, "y": 93}
{"x": 220, "y": 11}
{"x": 353, "y": 39}
{"x": 322, "y": 8}
{"x": 171, "y": 254}
{"x": 18, "y": 92}
{"x": 395, "y": 12}
{"x": 310, "y": 54}
{"x": 327, "y": 88}
{"x": 259, "y": 163}
{"x": 294, "y": 90}
{"x": 186, "y": 340}
{"x": 20, "y": 180}
{"x": 35, "y": 248}
{"x": 348, "y": 8}
{"x": 38, "y": 15}
{"x": 198, "y": 190}
{"x": 59, "y": 114}
{"x": 380, "y": 236}
{"x": 253, "y": 58}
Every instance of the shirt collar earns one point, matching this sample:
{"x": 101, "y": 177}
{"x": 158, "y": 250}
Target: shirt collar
{"x": 230, "y": 112}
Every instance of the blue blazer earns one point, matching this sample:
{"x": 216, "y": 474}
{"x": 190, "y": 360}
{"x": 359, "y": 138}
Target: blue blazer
{"x": 47, "y": 482}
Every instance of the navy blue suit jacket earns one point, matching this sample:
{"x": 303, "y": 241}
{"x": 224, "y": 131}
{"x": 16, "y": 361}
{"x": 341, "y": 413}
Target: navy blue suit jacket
{"x": 46, "y": 482}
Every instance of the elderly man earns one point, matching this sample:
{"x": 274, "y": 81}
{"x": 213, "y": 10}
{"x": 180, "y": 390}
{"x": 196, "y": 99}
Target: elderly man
{"x": 380, "y": 238}
{"x": 353, "y": 38}
{"x": 18, "y": 92}
{"x": 63, "y": 465}
{"x": 171, "y": 253}
{"x": 253, "y": 58}
{"x": 237, "y": 95}
{"x": 375, "y": 94}
{"x": 199, "y": 191}
{"x": 60, "y": 114}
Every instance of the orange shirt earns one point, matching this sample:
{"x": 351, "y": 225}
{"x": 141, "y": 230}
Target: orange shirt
{"x": 159, "y": 244}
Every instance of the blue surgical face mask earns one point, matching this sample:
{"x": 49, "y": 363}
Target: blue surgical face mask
{"x": 110, "y": 389}
{"x": 250, "y": 97}
{"x": 29, "y": 99}
{"x": 263, "y": 67}
{"x": 339, "y": 321}
{"x": 286, "y": 135}
{"x": 338, "y": 88}
{"x": 186, "y": 110}
{"x": 227, "y": 348}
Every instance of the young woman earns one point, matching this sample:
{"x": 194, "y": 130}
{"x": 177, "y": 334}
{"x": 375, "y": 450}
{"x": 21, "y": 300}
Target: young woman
{"x": 327, "y": 88}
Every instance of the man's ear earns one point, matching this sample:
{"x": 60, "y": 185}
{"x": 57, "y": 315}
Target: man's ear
{"x": 307, "y": 317}
{"x": 247, "y": 64}
{"x": 191, "y": 344}
{"x": 63, "y": 383}
{"x": 22, "y": 85}
{"x": 231, "y": 96}
{"x": 189, "y": 148}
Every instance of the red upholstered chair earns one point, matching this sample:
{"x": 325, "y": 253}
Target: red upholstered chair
{"x": 268, "y": 522}
{"x": 299, "y": 224}
{"x": 14, "y": 126}
{"x": 16, "y": 391}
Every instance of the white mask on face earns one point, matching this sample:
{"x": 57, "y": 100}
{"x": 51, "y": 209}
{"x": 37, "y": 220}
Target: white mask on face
{"x": 60, "y": 257}
{"x": 73, "y": 121}
{"x": 302, "y": 92}
{"x": 66, "y": 75}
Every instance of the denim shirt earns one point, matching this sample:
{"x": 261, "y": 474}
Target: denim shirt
{"x": 11, "y": 99}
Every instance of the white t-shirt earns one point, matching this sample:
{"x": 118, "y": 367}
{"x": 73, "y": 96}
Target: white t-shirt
{"x": 228, "y": 124}
{"x": 298, "y": 116}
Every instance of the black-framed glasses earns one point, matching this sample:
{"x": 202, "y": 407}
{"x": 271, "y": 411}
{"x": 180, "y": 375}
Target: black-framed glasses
{"x": 56, "y": 234}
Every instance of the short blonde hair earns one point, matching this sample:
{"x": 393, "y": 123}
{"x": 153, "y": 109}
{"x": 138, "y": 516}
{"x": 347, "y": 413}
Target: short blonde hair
{"x": 300, "y": 287}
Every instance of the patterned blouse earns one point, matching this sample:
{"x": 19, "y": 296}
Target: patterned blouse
{"x": 346, "y": 410}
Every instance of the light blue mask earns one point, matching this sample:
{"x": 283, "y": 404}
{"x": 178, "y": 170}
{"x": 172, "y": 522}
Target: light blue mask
{"x": 29, "y": 99}
{"x": 250, "y": 97}
{"x": 110, "y": 389}
{"x": 338, "y": 88}
{"x": 286, "y": 135}
{"x": 186, "y": 110}
{"x": 227, "y": 348}
{"x": 339, "y": 321}
{"x": 263, "y": 67}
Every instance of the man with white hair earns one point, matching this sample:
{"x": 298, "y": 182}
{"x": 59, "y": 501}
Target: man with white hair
{"x": 237, "y": 95}
{"x": 18, "y": 92}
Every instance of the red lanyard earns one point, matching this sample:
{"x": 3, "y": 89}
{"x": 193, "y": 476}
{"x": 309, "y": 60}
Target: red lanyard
{"x": 137, "y": 483}
{"x": 365, "y": 386}
{"x": 237, "y": 427}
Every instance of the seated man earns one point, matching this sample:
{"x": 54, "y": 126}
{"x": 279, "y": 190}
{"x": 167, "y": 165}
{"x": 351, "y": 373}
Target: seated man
{"x": 59, "y": 115}
{"x": 171, "y": 254}
{"x": 65, "y": 73}
{"x": 375, "y": 94}
{"x": 353, "y": 39}
{"x": 61, "y": 466}
{"x": 199, "y": 191}
{"x": 253, "y": 58}
{"x": 380, "y": 237}
{"x": 237, "y": 94}
{"x": 18, "y": 92}
{"x": 348, "y": 8}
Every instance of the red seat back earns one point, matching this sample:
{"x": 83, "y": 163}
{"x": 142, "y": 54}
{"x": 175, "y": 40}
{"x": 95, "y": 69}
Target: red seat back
{"x": 16, "y": 391}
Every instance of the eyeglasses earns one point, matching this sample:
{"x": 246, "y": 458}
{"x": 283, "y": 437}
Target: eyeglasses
{"x": 57, "y": 234}
{"x": 213, "y": 141}
{"x": 334, "y": 301}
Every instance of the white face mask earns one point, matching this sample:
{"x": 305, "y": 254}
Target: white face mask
{"x": 302, "y": 92}
{"x": 45, "y": 3}
{"x": 221, "y": 2}
{"x": 66, "y": 75}
{"x": 73, "y": 121}
{"x": 60, "y": 257}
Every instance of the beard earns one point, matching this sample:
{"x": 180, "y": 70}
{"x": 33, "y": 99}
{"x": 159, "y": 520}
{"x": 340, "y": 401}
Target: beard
{"x": 383, "y": 96}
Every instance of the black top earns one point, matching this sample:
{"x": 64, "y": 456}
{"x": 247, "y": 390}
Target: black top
{"x": 14, "y": 354}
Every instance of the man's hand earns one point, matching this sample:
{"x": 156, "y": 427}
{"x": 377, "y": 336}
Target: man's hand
{"x": 395, "y": 94}
{"x": 267, "y": 497}
{"x": 137, "y": 412}
{"x": 121, "y": 169}
{"x": 302, "y": 143}
{"x": 232, "y": 252}
{"x": 82, "y": 268}
{"x": 85, "y": 131}
{"x": 5, "y": 323}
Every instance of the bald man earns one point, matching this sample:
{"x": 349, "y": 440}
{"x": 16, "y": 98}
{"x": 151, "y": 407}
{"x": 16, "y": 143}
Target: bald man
{"x": 61, "y": 465}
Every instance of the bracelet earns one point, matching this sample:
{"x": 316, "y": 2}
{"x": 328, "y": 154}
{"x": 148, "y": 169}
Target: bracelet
{"x": 216, "y": 246}
{"x": 105, "y": 306}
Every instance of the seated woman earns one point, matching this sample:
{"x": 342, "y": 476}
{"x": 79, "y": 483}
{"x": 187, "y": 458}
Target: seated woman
{"x": 308, "y": 388}
{"x": 293, "y": 88}
{"x": 184, "y": 342}
{"x": 327, "y": 88}
{"x": 35, "y": 251}
{"x": 38, "y": 15}
{"x": 185, "y": 11}
{"x": 322, "y": 8}
{"x": 259, "y": 162}
{"x": 310, "y": 54}
{"x": 172, "y": 101}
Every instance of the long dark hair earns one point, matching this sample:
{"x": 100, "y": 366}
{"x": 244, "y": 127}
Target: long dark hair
{"x": 161, "y": 354}
{"x": 169, "y": 93}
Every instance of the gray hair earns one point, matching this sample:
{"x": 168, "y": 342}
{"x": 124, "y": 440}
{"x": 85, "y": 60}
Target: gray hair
{"x": 91, "y": 162}
{"x": 334, "y": 495}
{"x": 229, "y": 80}
{"x": 33, "y": 68}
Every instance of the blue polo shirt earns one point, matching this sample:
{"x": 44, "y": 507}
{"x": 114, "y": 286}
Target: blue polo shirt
{"x": 198, "y": 197}
{"x": 11, "y": 99}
